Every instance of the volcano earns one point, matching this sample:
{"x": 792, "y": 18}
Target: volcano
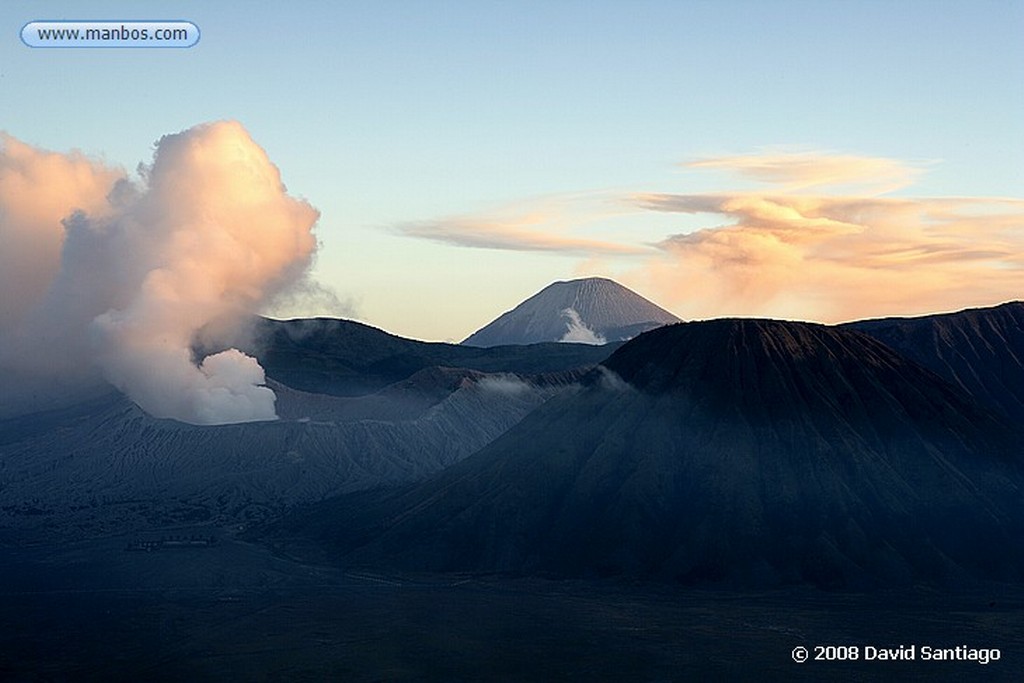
{"x": 591, "y": 310}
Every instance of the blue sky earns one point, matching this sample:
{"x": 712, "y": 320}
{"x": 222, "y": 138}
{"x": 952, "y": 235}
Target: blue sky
{"x": 396, "y": 114}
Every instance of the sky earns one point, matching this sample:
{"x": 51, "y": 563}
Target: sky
{"x": 820, "y": 160}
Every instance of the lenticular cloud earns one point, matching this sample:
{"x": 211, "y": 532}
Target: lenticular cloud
{"x": 134, "y": 268}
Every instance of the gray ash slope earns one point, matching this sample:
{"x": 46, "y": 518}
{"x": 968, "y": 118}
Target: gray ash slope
{"x": 108, "y": 466}
{"x": 753, "y": 452}
{"x": 605, "y": 308}
{"x": 397, "y": 414}
{"x": 980, "y": 350}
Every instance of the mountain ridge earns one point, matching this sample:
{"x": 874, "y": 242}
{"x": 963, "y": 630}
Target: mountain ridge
{"x": 343, "y": 357}
{"x": 690, "y": 476}
{"x": 980, "y": 350}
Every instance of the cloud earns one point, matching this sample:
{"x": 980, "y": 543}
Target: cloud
{"x": 499, "y": 235}
{"x": 208, "y": 233}
{"x": 833, "y": 258}
{"x": 795, "y": 171}
{"x": 578, "y": 332}
{"x": 821, "y": 240}
{"x": 538, "y": 226}
{"x": 800, "y": 218}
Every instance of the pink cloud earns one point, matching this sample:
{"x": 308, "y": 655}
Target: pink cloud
{"x": 837, "y": 258}
{"x": 795, "y": 171}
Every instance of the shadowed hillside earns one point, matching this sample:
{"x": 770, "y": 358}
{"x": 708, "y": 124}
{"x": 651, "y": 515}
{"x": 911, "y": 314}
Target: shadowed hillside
{"x": 745, "y": 451}
{"x": 981, "y": 350}
{"x": 346, "y": 358}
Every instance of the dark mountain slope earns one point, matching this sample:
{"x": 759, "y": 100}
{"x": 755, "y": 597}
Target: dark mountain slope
{"x": 750, "y": 451}
{"x": 393, "y": 410}
{"x": 594, "y": 309}
{"x": 346, "y": 358}
{"x": 980, "y": 350}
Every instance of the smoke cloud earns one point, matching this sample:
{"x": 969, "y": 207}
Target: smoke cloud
{"x": 578, "y": 331}
{"x": 37, "y": 190}
{"x": 116, "y": 276}
{"x": 822, "y": 243}
{"x": 835, "y": 258}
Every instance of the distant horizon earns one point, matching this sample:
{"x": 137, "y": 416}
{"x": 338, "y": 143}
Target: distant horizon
{"x": 682, "y": 320}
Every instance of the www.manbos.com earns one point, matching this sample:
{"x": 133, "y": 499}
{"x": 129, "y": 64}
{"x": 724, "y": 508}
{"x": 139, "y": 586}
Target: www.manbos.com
{"x": 110, "y": 34}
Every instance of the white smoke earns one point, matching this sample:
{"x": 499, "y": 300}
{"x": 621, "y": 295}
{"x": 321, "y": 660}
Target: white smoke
{"x": 311, "y": 298}
{"x": 609, "y": 379}
{"x": 207, "y": 233}
{"x": 578, "y": 332}
{"x": 504, "y": 384}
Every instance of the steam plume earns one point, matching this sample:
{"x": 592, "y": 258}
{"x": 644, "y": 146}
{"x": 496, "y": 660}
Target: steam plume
{"x": 577, "y": 330}
{"x": 207, "y": 233}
